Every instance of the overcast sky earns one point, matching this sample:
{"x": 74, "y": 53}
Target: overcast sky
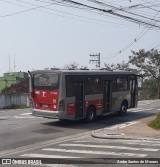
{"x": 43, "y": 38}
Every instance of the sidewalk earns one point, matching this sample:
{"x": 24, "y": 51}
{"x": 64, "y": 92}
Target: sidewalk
{"x": 135, "y": 131}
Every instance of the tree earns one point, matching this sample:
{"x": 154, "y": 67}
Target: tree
{"x": 148, "y": 64}
{"x": 20, "y": 87}
{"x": 148, "y": 90}
{"x": 119, "y": 66}
{"x": 71, "y": 66}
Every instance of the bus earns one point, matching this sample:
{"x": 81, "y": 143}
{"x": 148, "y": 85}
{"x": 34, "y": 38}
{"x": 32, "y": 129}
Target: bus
{"x": 82, "y": 94}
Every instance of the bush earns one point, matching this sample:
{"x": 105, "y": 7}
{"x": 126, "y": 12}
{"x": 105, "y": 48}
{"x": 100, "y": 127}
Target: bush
{"x": 155, "y": 123}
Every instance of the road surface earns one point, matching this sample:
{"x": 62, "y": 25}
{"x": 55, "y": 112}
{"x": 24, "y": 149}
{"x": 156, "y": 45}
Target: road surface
{"x": 25, "y": 136}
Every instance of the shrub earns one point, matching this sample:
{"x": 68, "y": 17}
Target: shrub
{"x": 155, "y": 123}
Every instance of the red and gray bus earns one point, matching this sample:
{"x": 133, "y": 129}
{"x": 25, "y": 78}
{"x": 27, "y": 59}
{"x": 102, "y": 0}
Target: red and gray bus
{"x": 79, "y": 94}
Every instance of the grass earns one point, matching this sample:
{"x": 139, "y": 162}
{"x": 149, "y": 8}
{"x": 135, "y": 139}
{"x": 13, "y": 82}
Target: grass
{"x": 155, "y": 124}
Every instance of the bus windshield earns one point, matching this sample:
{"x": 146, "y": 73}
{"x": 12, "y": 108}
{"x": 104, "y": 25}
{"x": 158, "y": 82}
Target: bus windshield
{"x": 48, "y": 81}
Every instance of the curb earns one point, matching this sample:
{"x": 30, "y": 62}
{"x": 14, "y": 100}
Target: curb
{"x": 120, "y": 136}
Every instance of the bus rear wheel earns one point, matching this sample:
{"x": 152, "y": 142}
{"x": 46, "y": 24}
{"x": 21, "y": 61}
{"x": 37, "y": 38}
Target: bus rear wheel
{"x": 123, "y": 109}
{"x": 91, "y": 114}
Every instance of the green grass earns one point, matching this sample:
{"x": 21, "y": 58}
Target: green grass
{"x": 155, "y": 124}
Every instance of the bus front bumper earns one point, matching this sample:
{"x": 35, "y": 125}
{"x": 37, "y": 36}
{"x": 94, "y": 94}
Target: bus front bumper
{"x": 45, "y": 113}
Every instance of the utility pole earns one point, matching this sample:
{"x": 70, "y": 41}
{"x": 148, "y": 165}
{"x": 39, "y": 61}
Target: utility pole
{"x": 9, "y": 64}
{"x": 14, "y": 64}
{"x": 96, "y": 59}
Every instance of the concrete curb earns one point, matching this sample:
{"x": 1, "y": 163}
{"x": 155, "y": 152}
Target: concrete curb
{"x": 120, "y": 136}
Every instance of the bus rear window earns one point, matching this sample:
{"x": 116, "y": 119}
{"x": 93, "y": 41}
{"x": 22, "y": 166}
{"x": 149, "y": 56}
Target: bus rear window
{"x": 45, "y": 81}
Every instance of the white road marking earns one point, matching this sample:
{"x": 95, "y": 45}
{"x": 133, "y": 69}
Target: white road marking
{"x": 143, "y": 104}
{"x": 133, "y": 109}
{"x": 143, "y": 110}
{"x": 141, "y": 143}
{"x": 23, "y": 117}
{"x": 130, "y": 142}
{"x": 46, "y": 143}
{"x": 122, "y": 125}
{"x": 47, "y": 156}
{"x": 158, "y": 109}
{"x": 95, "y": 152}
{"x": 19, "y": 127}
{"x": 26, "y": 113}
{"x": 113, "y": 147}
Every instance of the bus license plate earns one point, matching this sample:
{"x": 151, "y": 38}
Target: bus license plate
{"x": 45, "y": 105}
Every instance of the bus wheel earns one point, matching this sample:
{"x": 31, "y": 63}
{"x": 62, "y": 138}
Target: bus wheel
{"x": 91, "y": 114}
{"x": 123, "y": 109}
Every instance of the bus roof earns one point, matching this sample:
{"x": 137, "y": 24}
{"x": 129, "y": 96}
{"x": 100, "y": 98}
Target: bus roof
{"x": 86, "y": 72}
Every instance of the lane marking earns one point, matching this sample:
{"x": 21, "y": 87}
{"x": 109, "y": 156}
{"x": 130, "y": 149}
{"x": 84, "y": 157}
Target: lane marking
{"x": 143, "y": 104}
{"x": 47, "y": 156}
{"x": 133, "y": 109}
{"x": 94, "y": 152}
{"x": 120, "y": 126}
{"x": 114, "y": 147}
{"x": 43, "y": 143}
{"x": 24, "y": 117}
{"x": 143, "y": 110}
{"x": 130, "y": 142}
{"x": 18, "y": 127}
{"x": 26, "y": 113}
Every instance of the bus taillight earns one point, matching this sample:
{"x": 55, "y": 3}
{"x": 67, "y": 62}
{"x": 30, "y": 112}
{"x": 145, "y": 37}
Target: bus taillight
{"x": 61, "y": 105}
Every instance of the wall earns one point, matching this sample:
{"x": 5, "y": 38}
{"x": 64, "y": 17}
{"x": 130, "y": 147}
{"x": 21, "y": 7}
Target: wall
{"x": 7, "y": 100}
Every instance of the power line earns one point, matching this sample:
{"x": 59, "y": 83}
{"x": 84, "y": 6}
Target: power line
{"x": 145, "y": 30}
{"x": 23, "y": 11}
{"x": 86, "y": 6}
{"x": 111, "y": 12}
{"x": 98, "y": 21}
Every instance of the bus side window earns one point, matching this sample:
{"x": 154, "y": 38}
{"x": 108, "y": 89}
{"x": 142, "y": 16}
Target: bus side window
{"x": 93, "y": 85}
{"x": 114, "y": 85}
{"x": 69, "y": 87}
{"x": 122, "y": 84}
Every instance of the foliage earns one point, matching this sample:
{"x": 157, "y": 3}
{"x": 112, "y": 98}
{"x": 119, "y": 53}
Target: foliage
{"x": 119, "y": 66}
{"x": 148, "y": 64}
{"x": 75, "y": 66}
{"x": 155, "y": 123}
{"x": 71, "y": 66}
{"x": 20, "y": 87}
{"x": 148, "y": 90}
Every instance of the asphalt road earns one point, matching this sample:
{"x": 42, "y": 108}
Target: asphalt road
{"x": 22, "y": 135}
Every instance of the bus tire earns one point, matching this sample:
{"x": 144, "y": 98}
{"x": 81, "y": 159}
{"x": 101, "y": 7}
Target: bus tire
{"x": 123, "y": 109}
{"x": 91, "y": 114}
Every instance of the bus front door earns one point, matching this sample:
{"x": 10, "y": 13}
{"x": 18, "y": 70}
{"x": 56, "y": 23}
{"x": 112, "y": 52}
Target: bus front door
{"x": 106, "y": 96}
{"x": 79, "y": 99}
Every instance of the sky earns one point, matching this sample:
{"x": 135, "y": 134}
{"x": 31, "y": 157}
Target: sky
{"x": 58, "y": 35}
